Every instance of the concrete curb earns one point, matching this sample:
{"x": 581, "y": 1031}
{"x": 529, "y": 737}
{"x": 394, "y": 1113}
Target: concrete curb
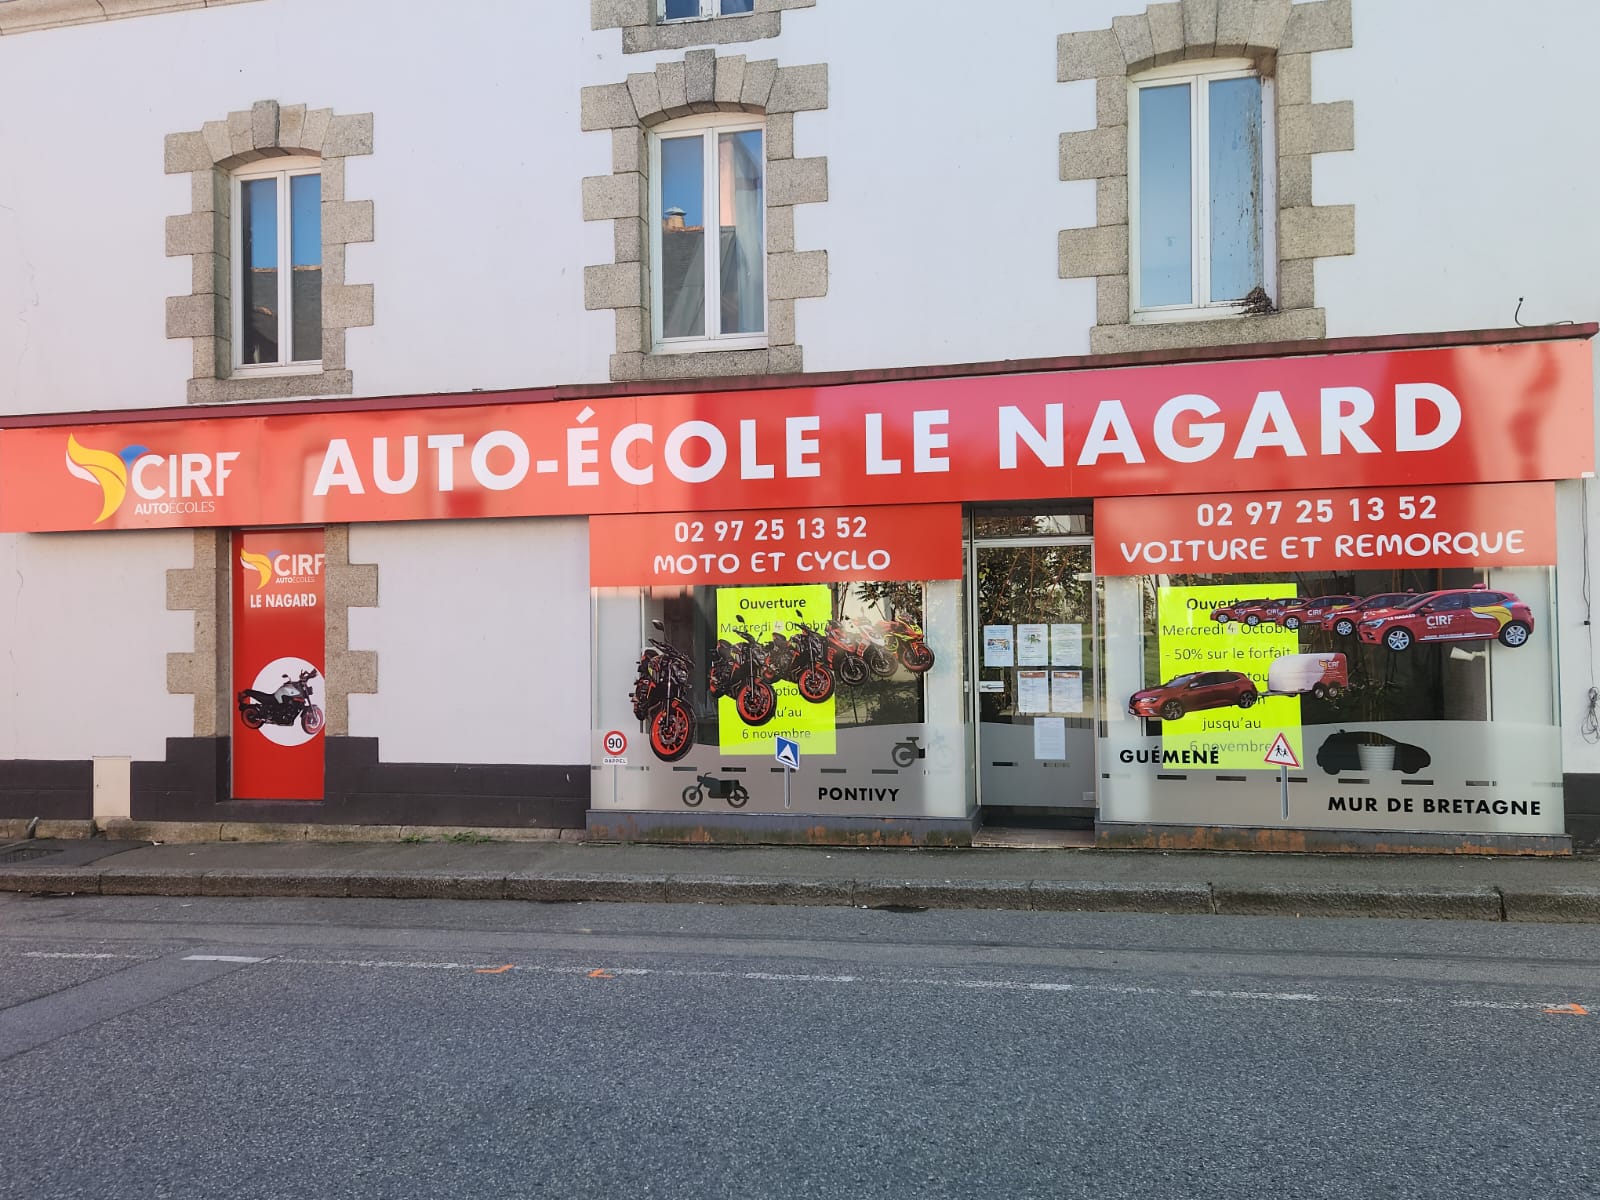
{"x": 1343, "y": 900}
{"x": 1055, "y": 895}
{"x": 937, "y": 893}
{"x": 1551, "y": 904}
{"x": 1556, "y": 903}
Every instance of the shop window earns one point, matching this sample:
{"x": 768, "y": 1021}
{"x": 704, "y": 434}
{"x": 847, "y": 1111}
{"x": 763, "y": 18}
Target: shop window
{"x": 685, "y": 10}
{"x": 1418, "y": 700}
{"x": 1200, "y": 191}
{"x": 700, "y": 687}
{"x": 277, "y": 257}
{"x": 708, "y": 235}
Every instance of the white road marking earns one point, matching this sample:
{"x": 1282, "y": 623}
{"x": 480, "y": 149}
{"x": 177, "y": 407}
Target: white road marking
{"x": 920, "y": 981}
{"x": 73, "y": 954}
{"x": 999, "y": 985}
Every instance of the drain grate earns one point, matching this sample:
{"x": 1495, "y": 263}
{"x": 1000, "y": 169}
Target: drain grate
{"x": 12, "y": 854}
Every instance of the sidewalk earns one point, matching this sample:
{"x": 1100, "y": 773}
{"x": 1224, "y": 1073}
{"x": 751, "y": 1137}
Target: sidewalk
{"x": 1486, "y": 889}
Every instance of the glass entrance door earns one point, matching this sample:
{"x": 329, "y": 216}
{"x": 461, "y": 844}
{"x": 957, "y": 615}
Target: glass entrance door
{"x": 1034, "y": 665}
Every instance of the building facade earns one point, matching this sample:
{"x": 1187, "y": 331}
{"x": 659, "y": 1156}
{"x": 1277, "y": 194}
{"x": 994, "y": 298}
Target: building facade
{"x": 791, "y": 420}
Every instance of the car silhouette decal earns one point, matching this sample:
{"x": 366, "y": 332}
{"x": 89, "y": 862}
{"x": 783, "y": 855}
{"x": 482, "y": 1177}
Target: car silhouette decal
{"x": 1340, "y": 753}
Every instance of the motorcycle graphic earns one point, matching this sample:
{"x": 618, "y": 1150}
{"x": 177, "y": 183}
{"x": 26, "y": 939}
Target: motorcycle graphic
{"x": 740, "y": 671}
{"x": 842, "y": 650}
{"x": 730, "y": 790}
{"x": 289, "y": 705}
{"x": 802, "y": 661}
{"x": 662, "y": 698}
{"x": 874, "y": 646}
{"x": 909, "y": 644}
{"x": 907, "y": 752}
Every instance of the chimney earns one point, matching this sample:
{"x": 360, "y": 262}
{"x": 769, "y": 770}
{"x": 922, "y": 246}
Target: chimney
{"x": 673, "y": 220}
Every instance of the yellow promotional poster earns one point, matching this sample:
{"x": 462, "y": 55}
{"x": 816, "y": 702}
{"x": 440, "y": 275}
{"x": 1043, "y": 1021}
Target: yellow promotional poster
{"x": 766, "y": 611}
{"x": 1214, "y": 700}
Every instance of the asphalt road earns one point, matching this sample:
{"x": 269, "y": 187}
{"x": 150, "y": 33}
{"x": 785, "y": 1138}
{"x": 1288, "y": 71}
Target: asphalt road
{"x": 242, "y": 1048}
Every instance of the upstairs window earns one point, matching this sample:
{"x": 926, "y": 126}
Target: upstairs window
{"x": 684, "y": 10}
{"x": 708, "y": 234}
{"x": 1201, "y": 190}
{"x": 277, "y": 266}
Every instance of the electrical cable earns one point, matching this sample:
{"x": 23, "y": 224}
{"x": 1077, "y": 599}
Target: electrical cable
{"x": 1589, "y": 725}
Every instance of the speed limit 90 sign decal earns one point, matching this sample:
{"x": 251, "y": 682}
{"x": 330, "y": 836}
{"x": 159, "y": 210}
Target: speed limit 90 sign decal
{"x": 615, "y": 745}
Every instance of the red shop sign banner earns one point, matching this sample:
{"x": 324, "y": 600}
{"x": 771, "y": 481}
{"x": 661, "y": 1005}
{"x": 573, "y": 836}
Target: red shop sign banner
{"x": 1464, "y": 414}
{"x": 1333, "y": 531}
{"x": 781, "y": 545}
{"x": 278, "y": 653}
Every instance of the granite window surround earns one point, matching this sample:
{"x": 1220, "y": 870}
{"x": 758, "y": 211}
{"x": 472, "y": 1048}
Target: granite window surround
{"x": 30, "y": 16}
{"x": 703, "y": 82}
{"x": 210, "y": 156}
{"x": 643, "y": 30}
{"x": 1280, "y": 39}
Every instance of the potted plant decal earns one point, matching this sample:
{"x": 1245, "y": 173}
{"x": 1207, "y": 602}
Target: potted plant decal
{"x": 1374, "y": 749}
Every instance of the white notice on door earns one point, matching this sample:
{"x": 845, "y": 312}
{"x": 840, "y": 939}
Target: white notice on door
{"x": 1066, "y": 691}
{"x": 1050, "y": 738}
{"x": 1033, "y": 691}
{"x": 997, "y": 649}
{"x": 1033, "y": 645}
{"x": 1066, "y": 645}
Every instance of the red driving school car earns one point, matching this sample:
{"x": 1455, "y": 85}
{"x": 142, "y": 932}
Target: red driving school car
{"x": 1343, "y": 621}
{"x": 1311, "y": 612}
{"x": 1191, "y": 693}
{"x": 1253, "y": 612}
{"x": 1452, "y": 615}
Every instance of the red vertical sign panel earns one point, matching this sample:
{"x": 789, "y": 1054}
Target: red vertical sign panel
{"x": 277, "y": 665}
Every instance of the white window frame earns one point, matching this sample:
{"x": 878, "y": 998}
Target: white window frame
{"x": 282, "y": 169}
{"x": 708, "y": 9}
{"x": 1200, "y": 182}
{"x": 709, "y": 126}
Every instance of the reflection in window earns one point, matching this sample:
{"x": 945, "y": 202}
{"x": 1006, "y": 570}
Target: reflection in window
{"x": 1166, "y": 235}
{"x": 1235, "y": 149}
{"x": 710, "y": 204}
{"x": 278, "y": 313}
{"x": 1199, "y": 207}
{"x": 683, "y": 237}
{"x": 678, "y": 10}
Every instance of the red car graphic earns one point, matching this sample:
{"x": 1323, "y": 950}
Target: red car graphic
{"x": 1310, "y": 612}
{"x": 1343, "y": 621}
{"x": 1452, "y": 615}
{"x": 1253, "y": 612}
{"x": 1191, "y": 693}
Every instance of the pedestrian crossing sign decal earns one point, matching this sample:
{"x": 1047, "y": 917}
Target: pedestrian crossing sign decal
{"x": 1281, "y": 755}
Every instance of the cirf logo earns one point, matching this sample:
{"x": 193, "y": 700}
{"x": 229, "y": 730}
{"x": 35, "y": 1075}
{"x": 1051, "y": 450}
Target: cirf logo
{"x": 164, "y": 483}
{"x": 257, "y": 562}
{"x": 275, "y": 564}
{"x": 101, "y": 467}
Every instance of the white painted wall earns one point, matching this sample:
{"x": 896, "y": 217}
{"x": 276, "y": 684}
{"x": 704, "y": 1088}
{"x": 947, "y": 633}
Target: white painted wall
{"x": 482, "y": 634}
{"x": 1474, "y": 174}
{"x": 944, "y": 193}
{"x": 84, "y": 636}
